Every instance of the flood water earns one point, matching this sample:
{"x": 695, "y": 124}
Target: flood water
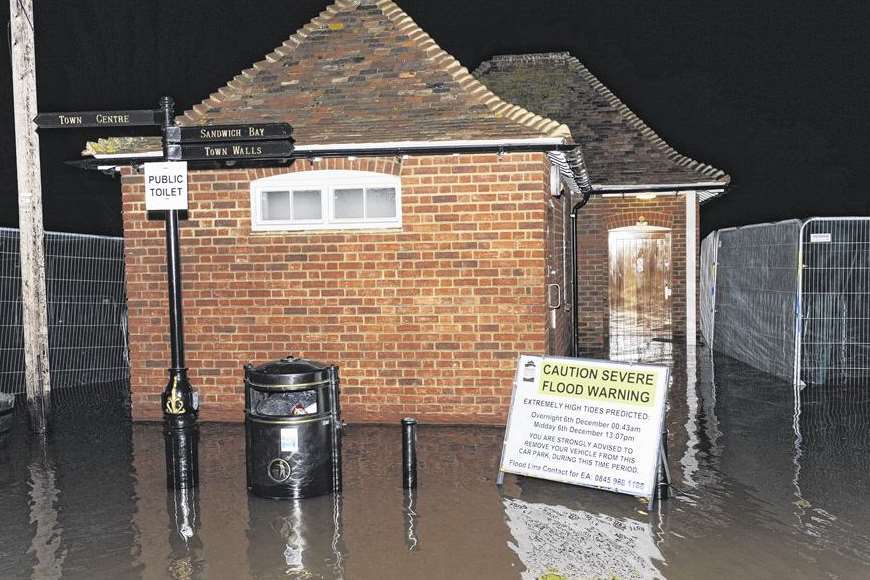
{"x": 761, "y": 492}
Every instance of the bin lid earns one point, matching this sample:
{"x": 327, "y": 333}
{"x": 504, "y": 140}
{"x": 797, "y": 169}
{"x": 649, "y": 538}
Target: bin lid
{"x": 288, "y": 372}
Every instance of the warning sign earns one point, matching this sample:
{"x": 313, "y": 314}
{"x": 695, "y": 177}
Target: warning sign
{"x": 166, "y": 185}
{"x": 586, "y": 422}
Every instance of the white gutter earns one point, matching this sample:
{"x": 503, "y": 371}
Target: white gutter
{"x": 430, "y": 144}
{"x": 157, "y": 154}
{"x": 717, "y": 185}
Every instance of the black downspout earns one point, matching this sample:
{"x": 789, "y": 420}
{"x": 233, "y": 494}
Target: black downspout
{"x": 575, "y": 319}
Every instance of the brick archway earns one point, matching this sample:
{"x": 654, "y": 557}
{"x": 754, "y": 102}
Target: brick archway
{"x": 634, "y": 217}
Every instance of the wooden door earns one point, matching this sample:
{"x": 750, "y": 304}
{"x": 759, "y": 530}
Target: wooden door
{"x": 640, "y": 290}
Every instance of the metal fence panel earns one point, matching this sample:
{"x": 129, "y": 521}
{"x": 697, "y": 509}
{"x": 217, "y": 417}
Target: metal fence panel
{"x": 11, "y": 331}
{"x": 834, "y": 302}
{"x": 87, "y": 312}
{"x": 756, "y": 293}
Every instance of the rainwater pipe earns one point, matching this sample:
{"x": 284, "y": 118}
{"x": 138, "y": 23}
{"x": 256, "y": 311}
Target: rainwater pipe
{"x": 577, "y": 178}
{"x": 575, "y": 319}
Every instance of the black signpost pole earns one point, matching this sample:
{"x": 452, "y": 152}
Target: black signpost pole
{"x": 179, "y": 402}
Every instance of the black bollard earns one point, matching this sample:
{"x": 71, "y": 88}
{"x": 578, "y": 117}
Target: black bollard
{"x": 409, "y": 453}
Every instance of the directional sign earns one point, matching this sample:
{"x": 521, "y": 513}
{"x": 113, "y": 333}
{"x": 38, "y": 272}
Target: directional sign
{"x": 165, "y": 185}
{"x": 230, "y": 151}
{"x": 248, "y": 132}
{"x": 76, "y": 119}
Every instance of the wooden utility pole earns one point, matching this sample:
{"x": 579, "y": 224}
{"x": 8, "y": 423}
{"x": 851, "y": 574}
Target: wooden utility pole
{"x": 34, "y": 315}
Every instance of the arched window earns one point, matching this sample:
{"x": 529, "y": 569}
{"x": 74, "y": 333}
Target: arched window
{"x": 326, "y": 200}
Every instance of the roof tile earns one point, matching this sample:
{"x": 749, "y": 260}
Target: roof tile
{"x": 618, "y": 147}
{"x": 363, "y": 71}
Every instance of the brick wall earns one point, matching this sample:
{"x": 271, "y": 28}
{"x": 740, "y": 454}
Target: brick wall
{"x": 426, "y": 321}
{"x": 593, "y": 223}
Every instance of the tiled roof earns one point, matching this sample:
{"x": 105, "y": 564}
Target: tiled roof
{"x": 363, "y": 72}
{"x": 618, "y": 147}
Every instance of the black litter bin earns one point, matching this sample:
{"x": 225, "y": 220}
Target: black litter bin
{"x": 292, "y": 429}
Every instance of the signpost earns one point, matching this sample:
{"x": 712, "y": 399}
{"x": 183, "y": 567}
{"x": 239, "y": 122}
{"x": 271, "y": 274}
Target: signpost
{"x": 166, "y": 190}
{"x": 587, "y": 422}
{"x": 180, "y": 402}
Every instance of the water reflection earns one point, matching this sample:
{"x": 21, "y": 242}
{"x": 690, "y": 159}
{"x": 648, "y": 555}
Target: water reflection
{"x": 296, "y": 538}
{"x": 411, "y": 539}
{"x": 185, "y": 547}
{"x": 765, "y": 489}
{"x": 46, "y": 545}
{"x": 574, "y": 543}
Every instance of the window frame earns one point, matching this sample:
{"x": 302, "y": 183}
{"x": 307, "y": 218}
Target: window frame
{"x": 326, "y": 181}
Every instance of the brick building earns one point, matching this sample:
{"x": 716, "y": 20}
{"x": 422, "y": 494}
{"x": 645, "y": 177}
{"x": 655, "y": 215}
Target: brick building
{"x": 419, "y": 236}
{"x": 638, "y": 236}
{"x": 416, "y": 237}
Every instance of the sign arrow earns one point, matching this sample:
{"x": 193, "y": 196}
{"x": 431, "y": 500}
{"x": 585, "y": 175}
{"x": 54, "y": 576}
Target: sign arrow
{"x": 228, "y": 133}
{"x": 76, "y": 119}
{"x": 229, "y": 151}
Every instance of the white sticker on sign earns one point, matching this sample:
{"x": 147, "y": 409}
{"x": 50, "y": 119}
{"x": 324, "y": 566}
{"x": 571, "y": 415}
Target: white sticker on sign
{"x": 587, "y": 422}
{"x": 166, "y": 185}
{"x": 289, "y": 440}
{"x": 820, "y": 238}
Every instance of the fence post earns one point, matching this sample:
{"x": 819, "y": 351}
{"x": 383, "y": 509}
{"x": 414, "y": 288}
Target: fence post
{"x": 34, "y": 316}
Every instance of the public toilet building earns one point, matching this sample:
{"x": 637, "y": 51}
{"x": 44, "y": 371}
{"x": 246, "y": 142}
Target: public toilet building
{"x": 420, "y": 237}
{"x": 417, "y": 240}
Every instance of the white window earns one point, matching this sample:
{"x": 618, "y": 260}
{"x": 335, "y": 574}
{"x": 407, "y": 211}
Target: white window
{"x": 326, "y": 200}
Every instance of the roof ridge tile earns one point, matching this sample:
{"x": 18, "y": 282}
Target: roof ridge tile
{"x": 243, "y": 86}
{"x": 632, "y": 117}
{"x": 462, "y": 74}
{"x": 507, "y": 68}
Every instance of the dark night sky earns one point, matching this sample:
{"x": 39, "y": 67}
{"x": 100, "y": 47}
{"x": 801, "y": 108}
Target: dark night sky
{"x": 773, "y": 92}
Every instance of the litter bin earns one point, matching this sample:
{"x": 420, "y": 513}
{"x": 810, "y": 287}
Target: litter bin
{"x": 292, "y": 429}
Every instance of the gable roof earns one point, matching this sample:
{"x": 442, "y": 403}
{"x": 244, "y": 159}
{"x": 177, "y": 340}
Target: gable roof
{"x": 618, "y": 147}
{"x": 364, "y": 72}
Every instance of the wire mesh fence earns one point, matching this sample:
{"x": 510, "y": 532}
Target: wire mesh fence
{"x": 87, "y": 312}
{"x": 834, "y": 302}
{"x": 791, "y": 298}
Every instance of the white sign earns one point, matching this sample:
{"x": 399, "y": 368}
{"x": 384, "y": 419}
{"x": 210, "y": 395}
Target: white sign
{"x": 289, "y": 440}
{"x": 587, "y": 422}
{"x": 824, "y": 238}
{"x": 166, "y": 185}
